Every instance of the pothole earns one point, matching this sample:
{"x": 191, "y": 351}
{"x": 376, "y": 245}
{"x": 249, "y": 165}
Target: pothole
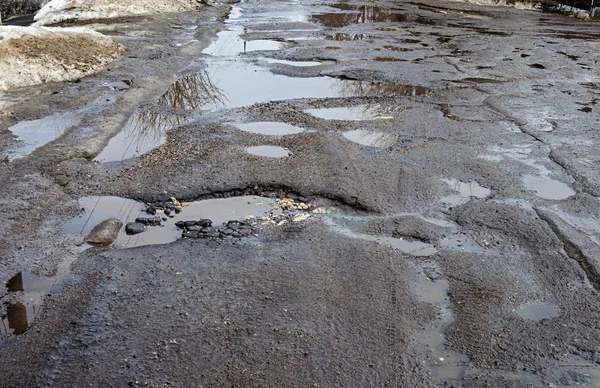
{"x": 410, "y": 247}
{"x": 24, "y": 299}
{"x": 373, "y": 139}
{"x": 432, "y": 288}
{"x": 270, "y": 128}
{"x": 340, "y": 37}
{"x": 230, "y": 43}
{"x": 353, "y": 113}
{"x": 536, "y": 311}
{"x": 293, "y": 63}
{"x": 33, "y": 134}
{"x": 143, "y": 132}
{"x": 364, "y": 14}
{"x": 268, "y": 151}
{"x": 547, "y": 188}
{"x": 465, "y": 191}
{"x": 161, "y": 228}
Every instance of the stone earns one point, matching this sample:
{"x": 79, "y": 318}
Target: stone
{"x": 187, "y": 224}
{"x": 152, "y": 221}
{"x": 204, "y": 222}
{"x": 151, "y": 210}
{"x": 180, "y": 224}
{"x": 134, "y": 228}
{"x": 105, "y": 233}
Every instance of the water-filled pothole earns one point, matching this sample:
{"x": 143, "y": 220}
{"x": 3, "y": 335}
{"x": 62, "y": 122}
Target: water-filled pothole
{"x": 547, "y": 188}
{"x": 268, "y": 151}
{"x": 100, "y": 208}
{"x": 230, "y": 43}
{"x": 24, "y": 299}
{"x": 536, "y": 311}
{"x": 373, "y": 139}
{"x": 352, "y": 113}
{"x": 364, "y": 14}
{"x": 432, "y": 288}
{"x": 271, "y": 128}
{"x": 143, "y": 132}
{"x": 465, "y": 191}
{"x": 411, "y": 247}
{"x": 294, "y": 63}
{"x": 35, "y": 133}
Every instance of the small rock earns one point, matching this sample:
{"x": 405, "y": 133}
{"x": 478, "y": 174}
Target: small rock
{"x": 187, "y": 224}
{"x": 152, "y": 221}
{"x": 105, "y": 233}
{"x": 151, "y": 210}
{"x": 301, "y": 217}
{"x": 134, "y": 228}
{"x": 205, "y": 222}
{"x": 583, "y": 15}
{"x": 180, "y": 224}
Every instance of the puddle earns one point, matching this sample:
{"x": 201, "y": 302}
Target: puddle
{"x": 268, "y": 151}
{"x": 270, "y": 128}
{"x": 353, "y": 113}
{"x": 142, "y": 133}
{"x": 26, "y": 293}
{"x": 466, "y": 191}
{"x": 547, "y": 188}
{"x": 373, "y": 139}
{"x": 432, "y": 288}
{"x": 100, "y": 208}
{"x": 413, "y": 248}
{"x": 36, "y": 133}
{"x": 460, "y": 244}
{"x": 536, "y": 311}
{"x": 193, "y": 91}
{"x": 294, "y": 63}
{"x": 230, "y": 43}
{"x": 477, "y": 80}
{"x": 365, "y": 14}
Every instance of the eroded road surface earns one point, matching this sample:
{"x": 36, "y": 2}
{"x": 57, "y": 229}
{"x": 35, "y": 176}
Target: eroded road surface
{"x": 329, "y": 194}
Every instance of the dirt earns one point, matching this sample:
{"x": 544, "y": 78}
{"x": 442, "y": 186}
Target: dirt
{"x": 434, "y": 219}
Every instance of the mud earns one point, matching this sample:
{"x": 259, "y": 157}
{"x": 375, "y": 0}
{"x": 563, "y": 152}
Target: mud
{"x": 421, "y": 208}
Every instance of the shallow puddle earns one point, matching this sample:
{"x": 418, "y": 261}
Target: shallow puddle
{"x": 294, "y": 63}
{"x": 268, "y": 151}
{"x": 230, "y": 43}
{"x": 23, "y": 303}
{"x": 465, "y": 191}
{"x": 270, "y": 128}
{"x": 353, "y": 113}
{"x": 192, "y": 92}
{"x": 547, "y": 188}
{"x": 36, "y": 133}
{"x": 362, "y": 14}
{"x": 373, "y": 139}
{"x": 432, "y": 288}
{"x": 536, "y": 311}
{"x": 100, "y": 208}
{"x": 142, "y": 133}
{"x": 411, "y": 247}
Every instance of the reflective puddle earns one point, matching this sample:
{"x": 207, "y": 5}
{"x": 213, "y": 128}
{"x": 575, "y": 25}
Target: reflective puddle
{"x": 363, "y": 14}
{"x": 411, "y": 247}
{"x": 354, "y": 113}
{"x": 294, "y": 63}
{"x": 268, "y": 151}
{"x": 230, "y": 43}
{"x": 373, "y": 139}
{"x": 143, "y": 132}
{"x": 271, "y": 128}
{"x": 100, "y": 208}
{"x": 24, "y": 299}
{"x": 432, "y": 288}
{"x": 192, "y": 92}
{"x": 536, "y": 311}
{"x": 33, "y": 134}
{"x": 547, "y": 188}
{"x": 465, "y": 191}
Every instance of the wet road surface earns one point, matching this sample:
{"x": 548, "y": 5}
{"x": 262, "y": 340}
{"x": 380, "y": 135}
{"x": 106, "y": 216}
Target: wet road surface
{"x": 400, "y": 194}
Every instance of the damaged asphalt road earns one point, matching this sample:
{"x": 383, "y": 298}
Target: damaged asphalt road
{"x": 400, "y": 194}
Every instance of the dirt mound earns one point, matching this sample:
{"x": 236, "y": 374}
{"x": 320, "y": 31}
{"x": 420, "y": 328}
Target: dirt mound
{"x": 34, "y": 55}
{"x": 58, "y": 11}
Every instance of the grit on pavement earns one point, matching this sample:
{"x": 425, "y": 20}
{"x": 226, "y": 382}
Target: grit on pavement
{"x": 400, "y": 194}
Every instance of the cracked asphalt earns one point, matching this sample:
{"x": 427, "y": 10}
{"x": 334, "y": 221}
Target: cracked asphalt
{"x": 453, "y": 146}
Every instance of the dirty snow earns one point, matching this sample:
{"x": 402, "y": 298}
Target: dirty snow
{"x": 58, "y": 11}
{"x": 35, "y": 55}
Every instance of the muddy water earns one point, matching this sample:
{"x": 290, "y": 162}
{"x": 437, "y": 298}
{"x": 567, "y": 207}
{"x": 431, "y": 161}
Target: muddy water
{"x": 354, "y": 113}
{"x": 100, "y": 208}
{"x": 230, "y": 43}
{"x": 22, "y": 304}
{"x": 536, "y": 311}
{"x": 36, "y": 133}
{"x": 362, "y": 14}
{"x": 432, "y": 288}
{"x": 270, "y": 128}
{"x": 547, "y": 188}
